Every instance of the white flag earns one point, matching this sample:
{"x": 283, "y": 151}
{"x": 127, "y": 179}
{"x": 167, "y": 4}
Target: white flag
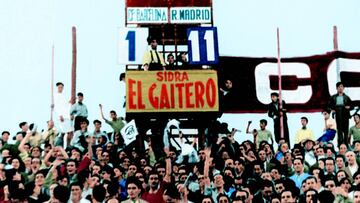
{"x": 129, "y": 132}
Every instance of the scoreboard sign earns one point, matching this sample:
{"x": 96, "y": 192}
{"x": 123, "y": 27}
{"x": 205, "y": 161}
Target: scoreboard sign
{"x": 203, "y": 45}
{"x": 132, "y": 45}
{"x": 159, "y": 11}
{"x": 172, "y": 91}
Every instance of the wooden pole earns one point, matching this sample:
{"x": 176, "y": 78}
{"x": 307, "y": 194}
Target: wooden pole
{"x": 52, "y": 82}
{"x": 73, "y": 68}
{"x": 280, "y": 84}
{"x": 336, "y": 48}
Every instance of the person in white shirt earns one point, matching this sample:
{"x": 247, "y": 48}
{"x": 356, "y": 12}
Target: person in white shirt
{"x": 62, "y": 112}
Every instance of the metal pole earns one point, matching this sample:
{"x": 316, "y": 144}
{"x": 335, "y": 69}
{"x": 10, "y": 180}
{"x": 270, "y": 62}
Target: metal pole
{"x": 336, "y": 48}
{"x": 280, "y": 82}
{"x": 52, "y": 83}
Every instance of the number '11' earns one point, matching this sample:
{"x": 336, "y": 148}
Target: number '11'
{"x": 195, "y": 45}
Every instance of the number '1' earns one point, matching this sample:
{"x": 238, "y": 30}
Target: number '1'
{"x": 131, "y": 38}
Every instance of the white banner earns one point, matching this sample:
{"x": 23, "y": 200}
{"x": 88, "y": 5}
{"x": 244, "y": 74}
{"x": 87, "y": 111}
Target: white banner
{"x": 129, "y": 132}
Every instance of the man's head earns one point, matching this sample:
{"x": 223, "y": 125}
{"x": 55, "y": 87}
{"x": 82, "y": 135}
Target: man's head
{"x": 311, "y": 196}
{"x": 311, "y": 182}
{"x": 304, "y": 121}
{"x": 274, "y": 96}
{"x": 133, "y": 187}
{"x": 80, "y": 96}
{"x": 99, "y": 193}
{"x": 228, "y": 84}
{"x": 76, "y": 190}
{"x": 170, "y": 58}
{"x": 122, "y": 77}
{"x": 279, "y": 186}
{"x": 330, "y": 165}
{"x": 113, "y": 115}
{"x": 330, "y": 184}
{"x": 356, "y": 196}
{"x": 24, "y": 126}
{"x": 326, "y": 113}
{"x": 71, "y": 166}
{"x": 61, "y": 194}
{"x": 288, "y": 196}
{"x": 153, "y": 42}
{"x": 298, "y": 165}
{"x": 60, "y": 87}
{"x": 5, "y": 136}
{"x": 340, "y": 87}
{"x": 267, "y": 189}
{"x": 357, "y": 118}
{"x": 153, "y": 180}
{"x": 263, "y": 124}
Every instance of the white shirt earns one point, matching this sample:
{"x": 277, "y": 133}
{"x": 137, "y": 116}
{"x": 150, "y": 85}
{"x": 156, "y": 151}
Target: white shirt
{"x": 61, "y": 105}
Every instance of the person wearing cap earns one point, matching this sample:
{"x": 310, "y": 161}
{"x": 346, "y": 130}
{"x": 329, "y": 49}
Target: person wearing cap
{"x": 78, "y": 111}
{"x": 276, "y": 113}
{"x": 304, "y": 133}
{"x": 340, "y": 103}
{"x": 152, "y": 59}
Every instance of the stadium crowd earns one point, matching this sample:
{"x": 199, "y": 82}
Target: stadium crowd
{"x": 61, "y": 165}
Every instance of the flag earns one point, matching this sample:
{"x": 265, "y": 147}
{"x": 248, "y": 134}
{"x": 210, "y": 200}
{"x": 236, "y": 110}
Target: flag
{"x": 129, "y": 132}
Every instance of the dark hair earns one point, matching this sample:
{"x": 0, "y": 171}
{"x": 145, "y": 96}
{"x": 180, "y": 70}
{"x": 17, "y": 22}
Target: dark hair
{"x": 263, "y": 121}
{"x": 96, "y": 121}
{"x": 151, "y": 39}
{"x": 133, "y": 180}
{"x": 80, "y": 94}
{"x": 327, "y": 110}
{"x": 7, "y": 132}
{"x": 22, "y": 124}
{"x": 305, "y": 118}
{"x": 61, "y": 193}
{"x": 99, "y": 193}
{"x": 222, "y": 195}
{"x": 209, "y": 197}
{"x": 122, "y": 75}
{"x": 112, "y": 111}
{"x": 274, "y": 94}
{"x": 76, "y": 184}
{"x": 338, "y": 84}
{"x": 59, "y": 83}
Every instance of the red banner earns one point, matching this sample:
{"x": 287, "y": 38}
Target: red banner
{"x": 307, "y": 82}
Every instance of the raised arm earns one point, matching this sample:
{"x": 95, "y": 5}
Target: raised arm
{"x": 167, "y": 177}
{"x": 101, "y": 112}
{"x": 207, "y": 166}
{"x": 248, "y": 128}
{"x": 23, "y": 142}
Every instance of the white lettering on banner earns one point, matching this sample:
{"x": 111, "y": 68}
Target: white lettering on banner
{"x": 147, "y": 15}
{"x": 190, "y": 15}
{"x": 262, "y": 82}
{"x": 346, "y": 65}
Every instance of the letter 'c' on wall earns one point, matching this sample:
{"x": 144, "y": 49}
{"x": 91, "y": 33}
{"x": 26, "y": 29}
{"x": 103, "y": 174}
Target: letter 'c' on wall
{"x": 263, "y": 71}
{"x": 345, "y": 65}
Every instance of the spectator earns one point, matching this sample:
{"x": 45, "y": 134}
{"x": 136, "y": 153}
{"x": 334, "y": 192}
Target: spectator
{"x": 277, "y": 113}
{"x": 354, "y": 131}
{"x": 340, "y": 103}
{"x": 78, "y": 111}
{"x": 152, "y": 59}
{"x": 304, "y": 133}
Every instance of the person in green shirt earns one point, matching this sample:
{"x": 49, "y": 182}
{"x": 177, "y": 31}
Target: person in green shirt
{"x": 261, "y": 134}
{"x": 355, "y": 130}
{"x": 116, "y": 123}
